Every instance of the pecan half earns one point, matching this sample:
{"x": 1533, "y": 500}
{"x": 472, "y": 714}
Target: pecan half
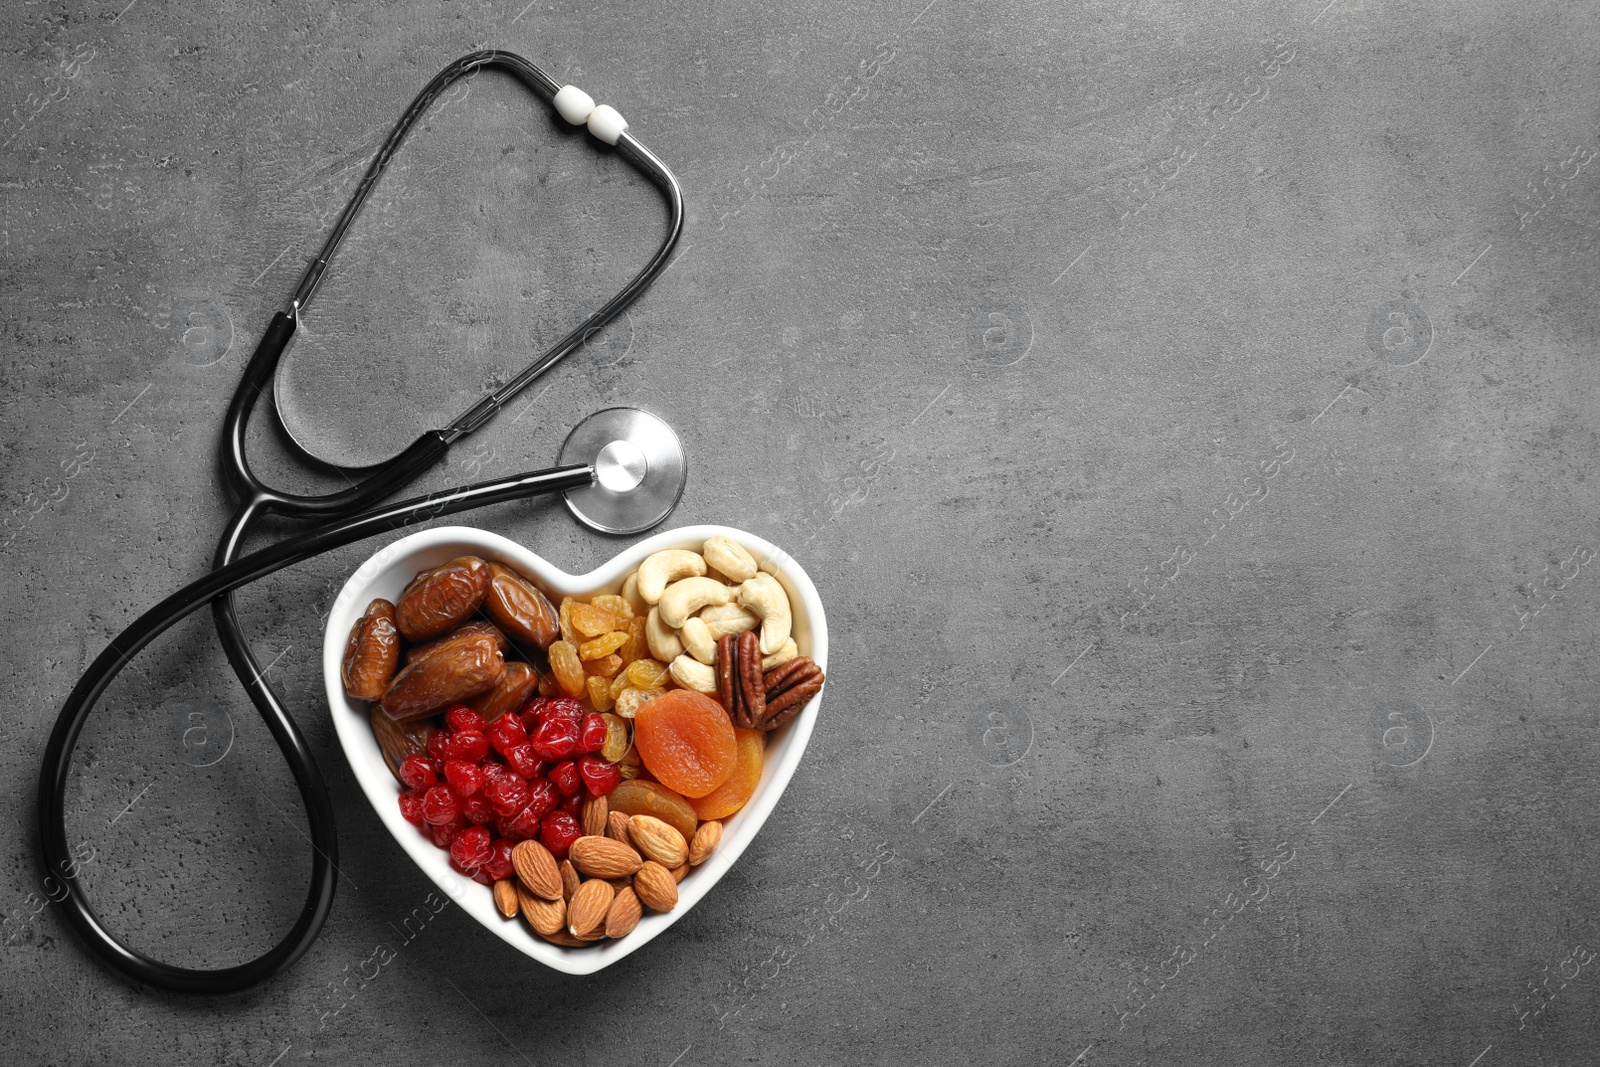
{"x": 789, "y": 686}
{"x": 752, "y": 686}
{"x": 728, "y": 687}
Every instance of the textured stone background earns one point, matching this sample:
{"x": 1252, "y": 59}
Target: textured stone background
{"x": 1114, "y": 765}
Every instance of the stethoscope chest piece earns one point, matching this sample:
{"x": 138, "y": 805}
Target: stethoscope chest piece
{"x": 639, "y": 470}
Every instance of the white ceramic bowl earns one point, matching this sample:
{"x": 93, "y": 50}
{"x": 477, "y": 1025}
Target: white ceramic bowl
{"x": 386, "y": 574}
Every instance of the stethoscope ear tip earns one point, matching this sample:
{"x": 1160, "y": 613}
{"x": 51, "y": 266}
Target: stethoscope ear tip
{"x": 639, "y": 470}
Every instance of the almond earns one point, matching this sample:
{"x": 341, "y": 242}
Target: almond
{"x": 658, "y": 840}
{"x": 537, "y": 869}
{"x": 545, "y": 916}
{"x": 601, "y": 857}
{"x": 617, "y": 827}
{"x": 561, "y": 937}
{"x": 624, "y": 914}
{"x": 505, "y": 898}
{"x": 569, "y": 880}
{"x": 706, "y": 840}
{"x": 593, "y": 816}
{"x": 655, "y": 886}
{"x": 588, "y": 908}
{"x": 679, "y": 872}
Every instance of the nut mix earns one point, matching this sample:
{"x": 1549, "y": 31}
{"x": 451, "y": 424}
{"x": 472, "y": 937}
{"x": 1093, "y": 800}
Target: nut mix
{"x": 582, "y": 785}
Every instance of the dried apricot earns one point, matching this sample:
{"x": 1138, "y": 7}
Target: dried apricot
{"x": 567, "y": 666}
{"x": 636, "y": 797}
{"x": 734, "y": 793}
{"x": 686, "y": 740}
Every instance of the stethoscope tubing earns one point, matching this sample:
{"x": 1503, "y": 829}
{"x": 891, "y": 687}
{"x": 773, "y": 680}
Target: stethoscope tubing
{"x": 57, "y": 765}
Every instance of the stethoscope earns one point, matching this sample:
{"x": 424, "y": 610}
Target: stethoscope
{"x": 621, "y": 471}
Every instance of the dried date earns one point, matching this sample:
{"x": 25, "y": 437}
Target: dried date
{"x": 397, "y": 740}
{"x": 520, "y": 609}
{"x": 372, "y": 653}
{"x": 455, "y": 672}
{"x": 439, "y": 600}
{"x": 513, "y": 689}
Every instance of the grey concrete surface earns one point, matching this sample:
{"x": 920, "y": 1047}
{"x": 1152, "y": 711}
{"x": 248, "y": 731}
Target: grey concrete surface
{"x": 1213, "y": 679}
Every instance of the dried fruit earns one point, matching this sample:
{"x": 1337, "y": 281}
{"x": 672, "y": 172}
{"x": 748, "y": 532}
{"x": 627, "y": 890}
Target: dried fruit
{"x": 630, "y": 700}
{"x": 515, "y": 686}
{"x": 617, "y": 740}
{"x": 639, "y": 797}
{"x": 372, "y": 653}
{"x": 658, "y": 840}
{"x": 624, "y": 913}
{"x": 686, "y": 741}
{"x": 593, "y": 816}
{"x": 605, "y": 666}
{"x": 601, "y": 857}
{"x": 599, "y": 776}
{"x": 566, "y": 778}
{"x": 439, "y": 806}
{"x": 520, "y": 609}
{"x": 568, "y": 667}
{"x": 476, "y": 628}
{"x": 617, "y": 827}
{"x": 536, "y": 869}
{"x": 647, "y": 674}
{"x": 505, "y": 898}
{"x": 441, "y": 599}
{"x": 599, "y": 692}
{"x": 636, "y": 645}
{"x": 558, "y": 831}
{"x": 547, "y": 917}
{"x": 556, "y": 738}
{"x": 656, "y": 887}
{"x": 399, "y": 740}
{"x": 620, "y": 609}
{"x": 734, "y": 793}
{"x": 587, "y": 909}
{"x": 564, "y": 620}
{"x": 706, "y": 840}
{"x": 452, "y": 674}
{"x": 602, "y": 646}
{"x": 592, "y": 621}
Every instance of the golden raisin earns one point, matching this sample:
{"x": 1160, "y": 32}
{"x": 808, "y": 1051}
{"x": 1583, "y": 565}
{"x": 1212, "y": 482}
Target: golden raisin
{"x": 619, "y": 608}
{"x": 605, "y": 666}
{"x": 591, "y": 621}
{"x": 603, "y": 645}
{"x": 647, "y": 674}
{"x": 568, "y": 667}
{"x": 599, "y": 693}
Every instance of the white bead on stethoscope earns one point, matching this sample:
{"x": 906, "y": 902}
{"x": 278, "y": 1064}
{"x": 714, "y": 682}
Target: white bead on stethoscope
{"x": 578, "y": 107}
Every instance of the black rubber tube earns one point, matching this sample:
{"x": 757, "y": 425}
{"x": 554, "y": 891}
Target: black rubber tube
{"x": 55, "y": 773}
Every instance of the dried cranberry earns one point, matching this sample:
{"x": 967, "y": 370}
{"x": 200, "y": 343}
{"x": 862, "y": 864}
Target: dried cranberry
{"x": 524, "y": 759}
{"x": 470, "y": 747}
{"x": 600, "y": 776}
{"x": 493, "y": 771}
{"x": 465, "y": 778}
{"x": 499, "y": 865}
{"x": 411, "y": 806}
{"x": 464, "y": 720}
{"x": 523, "y": 826}
{"x": 478, "y": 810}
{"x": 572, "y": 805}
{"x": 505, "y": 732}
{"x": 437, "y": 743}
{"x": 443, "y": 835}
{"x": 592, "y": 735}
{"x": 558, "y": 833}
{"x": 471, "y": 847}
{"x": 477, "y": 874}
{"x": 508, "y": 795}
{"x": 547, "y": 708}
{"x": 565, "y": 776}
{"x": 439, "y": 805}
{"x": 555, "y": 738}
{"x": 543, "y": 796}
{"x": 417, "y": 772}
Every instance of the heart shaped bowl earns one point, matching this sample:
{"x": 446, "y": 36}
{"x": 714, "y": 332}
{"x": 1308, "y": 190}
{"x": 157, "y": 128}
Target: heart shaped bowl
{"x": 386, "y": 573}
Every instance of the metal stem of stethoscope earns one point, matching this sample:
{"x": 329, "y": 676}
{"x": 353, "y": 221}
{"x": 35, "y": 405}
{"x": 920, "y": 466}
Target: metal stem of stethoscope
{"x": 628, "y": 475}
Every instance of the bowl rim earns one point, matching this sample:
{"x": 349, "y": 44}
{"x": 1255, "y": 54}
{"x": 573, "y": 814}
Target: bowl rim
{"x": 378, "y": 784}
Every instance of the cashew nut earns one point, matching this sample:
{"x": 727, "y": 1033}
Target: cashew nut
{"x": 662, "y": 639}
{"x": 667, "y": 566}
{"x": 729, "y": 557}
{"x": 630, "y": 593}
{"x": 692, "y": 674}
{"x": 688, "y": 595}
{"x": 728, "y": 619}
{"x": 788, "y": 652}
{"x": 764, "y": 596}
{"x": 696, "y": 637}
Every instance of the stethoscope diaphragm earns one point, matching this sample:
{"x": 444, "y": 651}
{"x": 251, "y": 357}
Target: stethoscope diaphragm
{"x": 639, "y": 470}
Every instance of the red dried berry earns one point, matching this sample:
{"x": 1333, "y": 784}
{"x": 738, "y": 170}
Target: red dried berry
{"x": 411, "y": 806}
{"x": 493, "y": 771}
{"x": 599, "y": 776}
{"x": 478, "y": 810}
{"x": 439, "y": 805}
{"x": 523, "y": 826}
{"x": 470, "y": 747}
{"x": 558, "y": 833}
{"x": 500, "y": 865}
{"x": 417, "y": 772}
{"x": 508, "y": 795}
{"x": 555, "y": 738}
{"x": 437, "y": 744}
{"x": 465, "y": 778}
{"x": 572, "y": 805}
{"x": 443, "y": 835}
{"x": 525, "y": 761}
{"x": 566, "y": 777}
{"x": 471, "y": 848}
{"x": 506, "y": 732}
{"x": 464, "y": 720}
{"x": 592, "y": 735}
{"x": 543, "y": 796}
{"x": 544, "y": 709}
